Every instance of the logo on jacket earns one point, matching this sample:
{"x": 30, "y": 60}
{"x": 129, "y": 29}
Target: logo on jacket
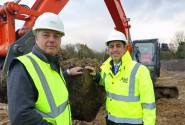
{"x": 123, "y": 79}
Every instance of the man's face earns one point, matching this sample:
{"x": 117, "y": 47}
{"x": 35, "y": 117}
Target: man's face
{"x": 116, "y": 49}
{"x": 49, "y": 41}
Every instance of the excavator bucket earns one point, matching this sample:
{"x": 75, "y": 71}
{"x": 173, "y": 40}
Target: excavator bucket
{"x": 22, "y": 46}
{"x": 86, "y": 97}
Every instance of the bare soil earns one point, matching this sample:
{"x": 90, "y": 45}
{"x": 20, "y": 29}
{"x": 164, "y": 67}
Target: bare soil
{"x": 170, "y": 111}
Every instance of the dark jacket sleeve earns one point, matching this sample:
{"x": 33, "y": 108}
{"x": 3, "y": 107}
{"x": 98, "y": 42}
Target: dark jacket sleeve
{"x": 97, "y": 77}
{"x": 22, "y": 95}
{"x": 65, "y": 74}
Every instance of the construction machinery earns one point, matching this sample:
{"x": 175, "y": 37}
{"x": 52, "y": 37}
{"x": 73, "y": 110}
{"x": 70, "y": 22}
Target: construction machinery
{"x": 147, "y": 52}
{"x": 15, "y": 43}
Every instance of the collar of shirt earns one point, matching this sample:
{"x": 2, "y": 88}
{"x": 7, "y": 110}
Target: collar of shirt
{"x": 52, "y": 60}
{"x": 117, "y": 64}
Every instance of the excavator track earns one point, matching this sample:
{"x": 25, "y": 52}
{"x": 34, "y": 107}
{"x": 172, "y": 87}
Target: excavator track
{"x": 166, "y": 86}
{"x": 166, "y": 92}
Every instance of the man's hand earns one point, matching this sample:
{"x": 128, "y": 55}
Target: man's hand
{"x": 75, "y": 71}
{"x": 93, "y": 71}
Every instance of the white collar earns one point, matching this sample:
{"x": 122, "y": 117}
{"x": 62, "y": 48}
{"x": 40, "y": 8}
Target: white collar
{"x": 117, "y": 64}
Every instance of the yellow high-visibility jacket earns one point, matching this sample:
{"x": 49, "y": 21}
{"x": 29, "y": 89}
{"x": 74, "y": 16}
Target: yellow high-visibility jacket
{"x": 52, "y": 102}
{"x": 130, "y": 93}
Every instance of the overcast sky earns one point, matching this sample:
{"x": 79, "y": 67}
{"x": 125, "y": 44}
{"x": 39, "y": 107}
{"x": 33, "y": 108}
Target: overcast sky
{"x": 89, "y": 21}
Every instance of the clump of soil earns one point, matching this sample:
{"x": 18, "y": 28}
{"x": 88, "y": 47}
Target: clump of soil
{"x": 86, "y": 97}
{"x": 4, "y": 114}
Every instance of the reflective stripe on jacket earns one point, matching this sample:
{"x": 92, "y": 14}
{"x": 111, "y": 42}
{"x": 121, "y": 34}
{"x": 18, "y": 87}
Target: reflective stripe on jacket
{"x": 52, "y": 102}
{"x": 130, "y": 93}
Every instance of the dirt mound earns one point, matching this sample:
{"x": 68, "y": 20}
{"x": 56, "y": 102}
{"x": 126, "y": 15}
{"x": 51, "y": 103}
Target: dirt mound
{"x": 73, "y": 62}
{"x": 3, "y": 114}
{"x": 173, "y": 64}
{"x": 99, "y": 120}
{"x": 64, "y": 55}
{"x": 85, "y": 95}
{"x": 170, "y": 110}
{"x": 164, "y": 73}
{"x": 169, "y": 113}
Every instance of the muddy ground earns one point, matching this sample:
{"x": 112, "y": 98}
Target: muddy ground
{"x": 170, "y": 111}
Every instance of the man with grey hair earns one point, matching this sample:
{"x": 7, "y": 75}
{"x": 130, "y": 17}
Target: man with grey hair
{"x": 36, "y": 89}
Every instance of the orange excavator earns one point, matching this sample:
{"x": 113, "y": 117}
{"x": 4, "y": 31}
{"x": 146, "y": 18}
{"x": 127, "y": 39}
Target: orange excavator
{"x": 15, "y": 43}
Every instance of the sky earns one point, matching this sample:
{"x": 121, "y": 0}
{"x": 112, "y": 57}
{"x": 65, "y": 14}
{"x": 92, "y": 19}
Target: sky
{"x": 89, "y": 21}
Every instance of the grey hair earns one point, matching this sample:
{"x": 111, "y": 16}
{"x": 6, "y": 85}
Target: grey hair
{"x": 36, "y": 32}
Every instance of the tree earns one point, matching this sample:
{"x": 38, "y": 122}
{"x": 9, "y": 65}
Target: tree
{"x": 178, "y": 38}
{"x": 83, "y": 51}
{"x": 70, "y": 48}
{"x": 179, "y": 41}
{"x": 181, "y": 50}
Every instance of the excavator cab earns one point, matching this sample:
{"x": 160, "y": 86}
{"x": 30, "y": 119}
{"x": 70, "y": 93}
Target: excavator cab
{"x": 147, "y": 52}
